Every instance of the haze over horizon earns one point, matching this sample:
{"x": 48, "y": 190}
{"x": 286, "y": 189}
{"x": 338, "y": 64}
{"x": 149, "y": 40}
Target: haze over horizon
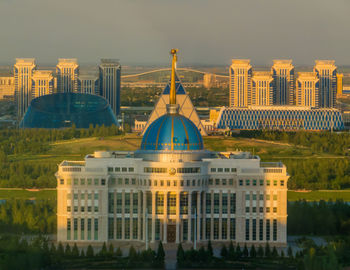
{"x": 206, "y": 32}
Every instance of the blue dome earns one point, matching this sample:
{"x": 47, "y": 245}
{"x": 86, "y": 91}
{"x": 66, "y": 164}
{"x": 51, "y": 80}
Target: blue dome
{"x": 172, "y": 132}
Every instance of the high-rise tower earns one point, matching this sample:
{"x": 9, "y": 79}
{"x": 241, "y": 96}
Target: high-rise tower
{"x": 283, "y": 74}
{"x": 67, "y": 71}
{"x": 327, "y": 73}
{"x": 23, "y": 72}
{"x": 109, "y": 77}
{"x": 42, "y": 83}
{"x": 307, "y": 89}
{"x": 262, "y": 89}
{"x": 240, "y": 83}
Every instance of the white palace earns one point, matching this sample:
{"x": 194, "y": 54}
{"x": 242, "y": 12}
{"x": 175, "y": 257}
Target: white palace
{"x": 172, "y": 190}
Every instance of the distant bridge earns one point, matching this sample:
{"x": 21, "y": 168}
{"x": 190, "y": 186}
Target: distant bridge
{"x": 168, "y": 69}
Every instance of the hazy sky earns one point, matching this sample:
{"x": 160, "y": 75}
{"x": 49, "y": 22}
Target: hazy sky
{"x": 205, "y": 31}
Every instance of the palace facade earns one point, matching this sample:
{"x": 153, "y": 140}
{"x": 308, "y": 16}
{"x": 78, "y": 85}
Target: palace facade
{"x": 172, "y": 190}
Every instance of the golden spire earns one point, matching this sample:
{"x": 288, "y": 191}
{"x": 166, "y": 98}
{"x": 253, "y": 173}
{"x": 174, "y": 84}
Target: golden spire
{"x": 172, "y": 84}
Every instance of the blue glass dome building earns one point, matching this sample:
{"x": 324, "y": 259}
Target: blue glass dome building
{"x": 65, "y": 109}
{"x": 172, "y": 132}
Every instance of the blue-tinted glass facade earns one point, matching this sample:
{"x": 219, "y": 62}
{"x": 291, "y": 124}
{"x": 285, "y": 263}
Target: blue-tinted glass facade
{"x": 280, "y": 119}
{"x": 65, "y": 109}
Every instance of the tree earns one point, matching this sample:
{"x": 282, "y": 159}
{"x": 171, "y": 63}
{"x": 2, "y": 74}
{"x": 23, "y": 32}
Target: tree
{"x": 260, "y": 252}
{"x": 160, "y": 254}
{"x": 180, "y": 255}
{"x": 274, "y": 253}
{"x": 60, "y": 250}
{"x": 290, "y": 252}
{"x": 202, "y": 255}
{"x": 89, "y": 252}
{"x": 132, "y": 253}
{"x": 238, "y": 252}
{"x": 103, "y": 252}
{"x": 245, "y": 251}
{"x": 267, "y": 251}
{"x": 282, "y": 254}
{"x": 231, "y": 251}
{"x": 82, "y": 253}
{"x": 119, "y": 252}
{"x": 252, "y": 252}
{"x": 67, "y": 251}
{"x": 110, "y": 250}
{"x": 224, "y": 252}
{"x": 75, "y": 251}
{"x": 210, "y": 250}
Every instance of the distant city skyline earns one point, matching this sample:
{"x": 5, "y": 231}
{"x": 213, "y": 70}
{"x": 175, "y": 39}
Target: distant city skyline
{"x": 207, "y": 32}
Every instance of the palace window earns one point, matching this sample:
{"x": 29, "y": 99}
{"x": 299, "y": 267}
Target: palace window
{"x": 172, "y": 204}
{"x": 247, "y": 229}
{"x": 223, "y": 182}
{"x": 224, "y": 203}
{"x": 247, "y": 182}
{"x": 216, "y": 228}
{"x": 254, "y": 229}
{"x": 134, "y": 228}
{"x": 160, "y": 203}
{"x": 96, "y": 209}
{"x": 210, "y": 181}
{"x": 261, "y": 182}
{"x": 117, "y": 169}
{"x": 232, "y": 229}
{"x": 212, "y": 169}
{"x": 89, "y": 229}
{"x": 247, "y": 209}
{"x": 274, "y": 233}
{"x": 275, "y": 182}
{"x": 217, "y": 182}
{"x": 96, "y": 229}
{"x": 119, "y": 228}
{"x": 68, "y": 208}
{"x": 267, "y": 209}
{"x": 82, "y": 196}
{"x": 110, "y": 228}
{"x": 233, "y": 203}
{"x": 89, "y": 181}
{"x": 230, "y": 182}
{"x": 82, "y": 209}
{"x": 275, "y": 197}
{"x": 267, "y": 182}
{"x": 69, "y": 229}
{"x": 247, "y": 197}
{"x": 75, "y": 181}
{"x": 75, "y": 208}
{"x": 62, "y": 181}
{"x": 282, "y": 183}
{"x": 131, "y": 169}
{"x": 127, "y": 203}
{"x": 254, "y": 209}
{"x": 82, "y": 229}
{"x": 119, "y": 203}
{"x": 275, "y": 209}
{"x": 261, "y": 209}
{"x": 254, "y": 182}
{"x": 227, "y": 169}
{"x": 207, "y": 228}
{"x": 241, "y": 182}
{"x": 267, "y": 230}
{"x": 224, "y": 229}
{"x": 261, "y": 197}
{"x": 267, "y": 197}
{"x": 75, "y": 196}
{"x": 220, "y": 169}
{"x": 216, "y": 203}
{"x": 75, "y": 229}
{"x": 157, "y": 225}
{"x": 193, "y": 183}
{"x": 261, "y": 227}
{"x": 126, "y": 181}
{"x": 208, "y": 203}
{"x": 135, "y": 203}
{"x": 127, "y": 228}
{"x": 120, "y": 181}
{"x": 184, "y": 203}
{"x": 96, "y": 182}
{"x": 124, "y": 169}
{"x": 185, "y": 229}
{"x": 133, "y": 181}
{"x": 110, "y": 169}
{"x": 254, "y": 197}
{"x": 103, "y": 182}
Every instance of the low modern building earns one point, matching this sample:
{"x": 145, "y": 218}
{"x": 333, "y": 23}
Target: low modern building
{"x": 7, "y": 87}
{"x": 65, "y": 109}
{"x": 171, "y": 190}
{"x": 280, "y": 118}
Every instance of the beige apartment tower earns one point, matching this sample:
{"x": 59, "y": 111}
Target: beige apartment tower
{"x": 67, "y": 72}
{"x": 283, "y": 75}
{"x": 307, "y": 91}
{"x": 262, "y": 89}
{"x": 240, "y": 83}
{"x": 23, "y": 72}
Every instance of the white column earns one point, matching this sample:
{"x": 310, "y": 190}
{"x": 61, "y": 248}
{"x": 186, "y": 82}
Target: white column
{"x": 178, "y": 217}
{"x": 139, "y": 215}
{"x": 189, "y": 223}
{"x": 153, "y": 216}
{"x": 165, "y": 219}
{"x": 144, "y": 214}
{"x": 198, "y": 216}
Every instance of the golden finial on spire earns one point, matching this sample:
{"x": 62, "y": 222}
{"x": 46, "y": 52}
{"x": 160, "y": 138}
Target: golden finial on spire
{"x": 172, "y": 100}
